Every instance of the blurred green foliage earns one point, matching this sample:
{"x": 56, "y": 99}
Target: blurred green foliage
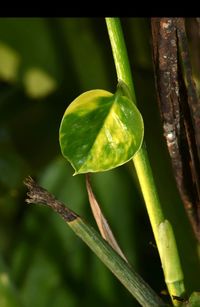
{"x": 44, "y": 64}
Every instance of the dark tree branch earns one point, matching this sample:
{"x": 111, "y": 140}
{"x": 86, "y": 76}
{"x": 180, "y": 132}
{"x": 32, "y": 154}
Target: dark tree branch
{"x": 178, "y": 109}
{"x": 193, "y": 100}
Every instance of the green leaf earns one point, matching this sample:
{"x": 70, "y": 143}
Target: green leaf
{"x": 100, "y": 131}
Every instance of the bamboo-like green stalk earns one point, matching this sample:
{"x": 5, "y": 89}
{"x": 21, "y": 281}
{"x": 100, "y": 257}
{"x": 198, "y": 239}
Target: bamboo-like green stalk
{"x": 129, "y": 278}
{"x": 144, "y": 172}
{"x": 116, "y": 264}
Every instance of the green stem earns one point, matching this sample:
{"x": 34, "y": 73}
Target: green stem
{"x": 115, "y": 263}
{"x": 129, "y": 278}
{"x": 120, "y": 54}
{"x": 143, "y": 168}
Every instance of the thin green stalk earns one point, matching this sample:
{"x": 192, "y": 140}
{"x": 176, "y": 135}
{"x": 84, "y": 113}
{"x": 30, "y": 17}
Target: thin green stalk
{"x": 116, "y": 264}
{"x": 143, "y": 168}
{"x": 129, "y": 278}
{"x": 120, "y": 54}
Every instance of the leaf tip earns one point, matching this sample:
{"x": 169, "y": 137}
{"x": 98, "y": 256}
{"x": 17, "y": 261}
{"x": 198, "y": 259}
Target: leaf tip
{"x": 75, "y": 173}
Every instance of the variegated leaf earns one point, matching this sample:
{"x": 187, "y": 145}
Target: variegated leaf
{"x": 100, "y": 131}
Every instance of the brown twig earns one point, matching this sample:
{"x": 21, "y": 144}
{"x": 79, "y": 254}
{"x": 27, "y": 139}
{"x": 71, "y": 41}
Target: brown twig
{"x": 38, "y": 195}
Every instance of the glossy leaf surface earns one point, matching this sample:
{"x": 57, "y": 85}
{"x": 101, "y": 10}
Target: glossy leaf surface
{"x": 100, "y": 131}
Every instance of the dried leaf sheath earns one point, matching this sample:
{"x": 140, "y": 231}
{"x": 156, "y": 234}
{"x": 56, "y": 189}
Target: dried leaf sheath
{"x": 101, "y": 221}
{"x": 175, "y": 103}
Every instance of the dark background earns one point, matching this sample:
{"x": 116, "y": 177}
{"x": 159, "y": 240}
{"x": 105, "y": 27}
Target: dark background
{"x": 44, "y": 65}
